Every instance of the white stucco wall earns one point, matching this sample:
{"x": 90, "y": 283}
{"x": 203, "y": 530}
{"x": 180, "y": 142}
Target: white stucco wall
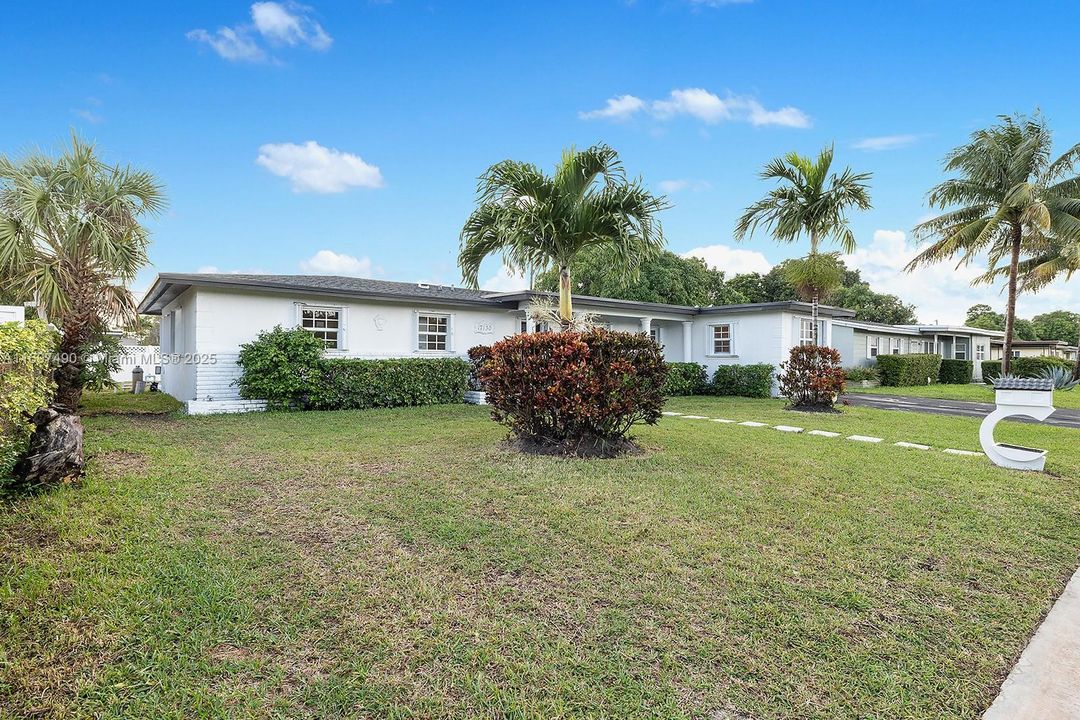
{"x": 179, "y": 342}
{"x": 12, "y": 313}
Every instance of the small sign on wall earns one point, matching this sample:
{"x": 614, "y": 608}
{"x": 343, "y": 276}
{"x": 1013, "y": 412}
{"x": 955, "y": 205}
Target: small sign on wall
{"x": 483, "y": 328}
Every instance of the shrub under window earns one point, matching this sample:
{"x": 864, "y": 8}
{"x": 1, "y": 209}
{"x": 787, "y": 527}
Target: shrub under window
{"x": 752, "y": 381}
{"x": 686, "y": 378}
{"x": 812, "y": 377}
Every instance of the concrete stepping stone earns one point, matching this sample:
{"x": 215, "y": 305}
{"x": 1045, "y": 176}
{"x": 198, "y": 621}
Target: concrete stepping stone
{"x": 968, "y": 453}
{"x": 722, "y": 420}
{"x": 823, "y": 433}
{"x": 864, "y": 438}
{"x": 666, "y": 412}
{"x": 751, "y": 423}
{"x": 787, "y": 428}
{"x": 913, "y": 446}
{"x": 695, "y": 417}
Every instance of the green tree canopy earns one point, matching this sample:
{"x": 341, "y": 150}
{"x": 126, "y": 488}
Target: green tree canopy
{"x": 538, "y": 221}
{"x": 1058, "y": 325}
{"x": 667, "y": 278}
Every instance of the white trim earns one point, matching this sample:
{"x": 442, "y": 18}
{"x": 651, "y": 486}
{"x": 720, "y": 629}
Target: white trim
{"x": 450, "y": 323}
{"x": 733, "y": 339}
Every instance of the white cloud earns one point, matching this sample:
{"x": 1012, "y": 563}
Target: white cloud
{"x": 289, "y": 24}
{"x": 90, "y": 116}
{"x": 616, "y": 108}
{"x": 703, "y": 105}
{"x": 230, "y": 44}
{"x": 314, "y": 168}
{"x": 885, "y": 142}
{"x": 278, "y": 23}
{"x": 674, "y": 186}
{"x": 731, "y": 260}
{"x": 328, "y": 262}
{"x": 505, "y": 281}
{"x": 943, "y": 292}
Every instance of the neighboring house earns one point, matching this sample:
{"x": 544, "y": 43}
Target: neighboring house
{"x": 860, "y": 342}
{"x": 12, "y": 313}
{"x": 1035, "y": 348}
{"x": 206, "y": 317}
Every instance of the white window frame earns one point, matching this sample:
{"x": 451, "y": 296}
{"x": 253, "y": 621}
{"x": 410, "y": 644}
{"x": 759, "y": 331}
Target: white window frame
{"x": 806, "y": 331}
{"x": 873, "y": 346}
{"x": 960, "y": 347}
{"x": 339, "y": 331}
{"x": 980, "y": 351}
{"x": 731, "y": 339}
{"x": 448, "y": 335}
{"x": 654, "y": 334}
{"x": 1015, "y": 354}
{"x": 895, "y": 346}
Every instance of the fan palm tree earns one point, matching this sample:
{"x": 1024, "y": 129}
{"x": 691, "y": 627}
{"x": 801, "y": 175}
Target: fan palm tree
{"x": 536, "y": 221}
{"x": 809, "y": 201}
{"x": 70, "y": 238}
{"x": 1009, "y": 200}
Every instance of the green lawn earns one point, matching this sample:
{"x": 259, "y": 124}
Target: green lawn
{"x": 400, "y": 563}
{"x": 126, "y": 403}
{"x": 978, "y": 393}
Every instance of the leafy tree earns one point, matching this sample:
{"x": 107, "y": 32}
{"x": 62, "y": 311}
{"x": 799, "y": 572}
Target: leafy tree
{"x": 1008, "y": 199}
{"x": 667, "y": 278}
{"x": 538, "y": 221}
{"x": 1058, "y": 325}
{"x": 1025, "y": 330}
{"x": 872, "y": 306}
{"x": 983, "y": 316}
{"x": 70, "y": 236}
{"x": 809, "y": 201}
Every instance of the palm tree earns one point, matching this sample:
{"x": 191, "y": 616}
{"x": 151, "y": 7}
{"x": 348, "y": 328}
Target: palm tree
{"x": 1008, "y": 200}
{"x": 1056, "y": 259}
{"x": 70, "y": 238}
{"x": 538, "y": 222}
{"x": 809, "y": 201}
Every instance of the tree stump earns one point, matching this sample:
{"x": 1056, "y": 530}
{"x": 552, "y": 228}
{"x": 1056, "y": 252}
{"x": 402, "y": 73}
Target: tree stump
{"x": 55, "y": 454}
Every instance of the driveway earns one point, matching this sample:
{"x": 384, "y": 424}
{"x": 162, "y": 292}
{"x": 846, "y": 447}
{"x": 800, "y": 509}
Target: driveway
{"x": 935, "y": 406}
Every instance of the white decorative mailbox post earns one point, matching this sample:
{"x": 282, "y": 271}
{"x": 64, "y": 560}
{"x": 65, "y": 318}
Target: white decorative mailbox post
{"x": 1031, "y": 397}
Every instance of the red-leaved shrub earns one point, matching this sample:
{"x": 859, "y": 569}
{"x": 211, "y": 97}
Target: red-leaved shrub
{"x": 573, "y": 393}
{"x": 812, "y": 377}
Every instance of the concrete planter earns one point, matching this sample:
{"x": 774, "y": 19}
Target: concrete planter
{"x": 476, "y": 397}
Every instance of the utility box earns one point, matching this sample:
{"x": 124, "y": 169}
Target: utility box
{"x": 137, "y": 379}
{"x": 1027, "y": 397}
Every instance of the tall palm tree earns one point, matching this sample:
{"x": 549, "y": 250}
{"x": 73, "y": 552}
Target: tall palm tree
{"x": 810, "y": 201}
{"x": 70, "y": 237}
{"x": 1009, "y": 200}
{"x": 1059, "y": 258}
{"x": 538, "y": 221}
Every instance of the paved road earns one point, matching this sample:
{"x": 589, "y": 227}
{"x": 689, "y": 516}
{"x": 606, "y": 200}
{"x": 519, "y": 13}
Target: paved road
{"x": 934, "y": 406}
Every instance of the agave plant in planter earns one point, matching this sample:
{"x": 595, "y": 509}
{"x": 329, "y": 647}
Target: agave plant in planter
{"x": 1062, "y": 378}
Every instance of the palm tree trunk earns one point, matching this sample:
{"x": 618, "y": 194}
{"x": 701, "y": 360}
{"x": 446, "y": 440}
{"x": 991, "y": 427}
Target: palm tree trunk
{"x": 1076, "y": 370}
{"x": 566, "y": 308}
{"x": 1010, "y": 308}
{"x": 814, "y": 315}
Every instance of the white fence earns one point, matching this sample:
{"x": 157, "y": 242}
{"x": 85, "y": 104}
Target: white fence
{"x": 148, "y": 357}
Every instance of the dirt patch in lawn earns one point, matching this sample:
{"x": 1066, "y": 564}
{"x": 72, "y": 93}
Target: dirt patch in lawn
{"x": 118, "y": 463}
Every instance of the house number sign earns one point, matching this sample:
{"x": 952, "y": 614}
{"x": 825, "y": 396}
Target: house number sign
{"x": 483, "y": 328}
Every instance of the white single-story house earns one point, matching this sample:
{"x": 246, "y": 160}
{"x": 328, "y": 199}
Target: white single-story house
{"x": 206, "y": 317}
{"x": 1035, "y": 348}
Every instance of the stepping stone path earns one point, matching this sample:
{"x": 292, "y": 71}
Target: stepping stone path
{"x": 751, "y": 423}
{"x": 969, "y": 453}
{"x": 823, "y": 433}
{"x": 722, "y": 420}
{"x": 864, "y": 438}
{"x": 914, "y": 446}
{"x": 666, "y": 412}
{"x": 695, "y": 417}
{"x": 787, "y": 428}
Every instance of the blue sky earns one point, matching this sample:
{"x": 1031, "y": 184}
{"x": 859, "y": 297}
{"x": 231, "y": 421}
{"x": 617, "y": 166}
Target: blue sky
{"x": 347, "y": 136}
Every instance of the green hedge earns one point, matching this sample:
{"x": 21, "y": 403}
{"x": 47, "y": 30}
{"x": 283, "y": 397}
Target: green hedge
{"x": 346, "y": 384}
{"x": 907, "y": 370}
{"x": 956, "y": 372}
{"x": 753, "y": 381}
{"x": 1028, "y": 367}
{"x": 686, "y": 378}
{"x": 26, "y": 364}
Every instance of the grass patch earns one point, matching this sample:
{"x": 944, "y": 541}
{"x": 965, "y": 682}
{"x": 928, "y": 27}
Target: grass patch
{"x": 1069, "y": 399}
{"x": 127, "y": 403}
{"x": 399, "y": 563}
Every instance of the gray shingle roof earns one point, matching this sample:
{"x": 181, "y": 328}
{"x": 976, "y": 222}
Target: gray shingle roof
{"x": 1015, "y": 383}
{"x": 340, "y": 283}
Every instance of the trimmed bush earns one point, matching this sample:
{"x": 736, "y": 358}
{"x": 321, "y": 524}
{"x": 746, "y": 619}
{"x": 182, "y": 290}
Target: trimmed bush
{"x": 26, "y": 362}
{"x": 956, "y": 372}
{"x": 812, "y": 377}
{"x": 347, "y": 384}
{"x": 752, "y": 381}
{"x": 281, "y": 367}
{"x": 907, "y": 370}
{"x": 574, "y": 393}
{"x": 1028, "y": 367}
{"x": 686, "y": 378}
{"x": 859, "y": 374}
